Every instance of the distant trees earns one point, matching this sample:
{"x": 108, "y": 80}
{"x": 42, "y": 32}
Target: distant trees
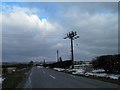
{"x": 18, "y": 65}
{"x": 110, "y": 63}
{"x": 61, "y": 64}
{"x": 30, "y": 63}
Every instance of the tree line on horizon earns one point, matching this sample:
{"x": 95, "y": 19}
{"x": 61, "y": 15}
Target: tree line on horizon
{"x": 110, "y": 63}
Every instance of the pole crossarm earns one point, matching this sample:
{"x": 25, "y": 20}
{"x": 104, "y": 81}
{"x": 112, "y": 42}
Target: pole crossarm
{"x": 72, "y": 35}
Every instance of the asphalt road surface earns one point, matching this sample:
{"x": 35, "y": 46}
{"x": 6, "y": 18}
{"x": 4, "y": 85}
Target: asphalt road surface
{"x": 47, "y": 78}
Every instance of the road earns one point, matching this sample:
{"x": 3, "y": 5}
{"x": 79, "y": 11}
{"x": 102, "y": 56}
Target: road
{"x": 48, "y": 78}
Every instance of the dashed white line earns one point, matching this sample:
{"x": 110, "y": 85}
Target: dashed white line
{"x": 52, "y": 76}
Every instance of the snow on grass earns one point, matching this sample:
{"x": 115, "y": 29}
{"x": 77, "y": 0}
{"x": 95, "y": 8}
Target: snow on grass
{"x": 98, "y": 73}
{"x": 79, "y": 72}
{"x": 89, "y": 74}
{"x": 59, "y": 69}
{"x": 113, "y": 76}
{"x": 40, "y": 66}
{"x": 98, "y": 70}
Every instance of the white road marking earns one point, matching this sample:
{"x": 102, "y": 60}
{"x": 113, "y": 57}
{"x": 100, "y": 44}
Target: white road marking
{"x": 52, "y": 76}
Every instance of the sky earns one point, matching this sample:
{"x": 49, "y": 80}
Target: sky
{"x": 35, "y": 30}
{"x": 60, "y": 0}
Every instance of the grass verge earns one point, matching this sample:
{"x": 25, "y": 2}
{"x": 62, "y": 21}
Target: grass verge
{"x": 98, "y": 78}
{"x": 14, "y": 79}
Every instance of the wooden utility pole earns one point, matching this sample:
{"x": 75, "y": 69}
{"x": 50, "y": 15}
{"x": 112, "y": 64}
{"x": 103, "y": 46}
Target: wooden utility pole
{"x": 44, "y": 62}
{"x": 72, "y": 36}
{"x": 57, "y": 56}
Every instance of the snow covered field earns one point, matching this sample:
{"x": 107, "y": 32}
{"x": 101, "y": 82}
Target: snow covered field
{"x": 97, "y": 73}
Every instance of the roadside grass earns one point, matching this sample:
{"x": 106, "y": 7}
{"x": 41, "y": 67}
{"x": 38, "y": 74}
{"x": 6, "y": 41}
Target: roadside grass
{"x": 13, "y": 80}
{"x": 97, "y": 78}
{"x": 100, "y": 78}
{"x": 103, "y": 79}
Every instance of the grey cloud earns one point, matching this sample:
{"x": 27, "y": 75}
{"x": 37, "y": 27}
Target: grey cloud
{"x": 97, "y": 31}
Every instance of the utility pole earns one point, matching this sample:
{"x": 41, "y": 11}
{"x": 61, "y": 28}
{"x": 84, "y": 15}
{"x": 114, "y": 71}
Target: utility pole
{"x": 72, "y": 36}
{"x": 44, "y": 62}
{"x": 57, "y": 56}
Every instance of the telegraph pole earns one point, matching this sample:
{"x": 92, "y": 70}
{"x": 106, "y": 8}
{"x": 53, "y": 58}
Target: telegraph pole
{"x": 44, "y": 62}
{"x": 57, "y": 56}
{"x": 72, "y": 36}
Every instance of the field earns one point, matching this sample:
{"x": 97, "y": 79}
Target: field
{"x": 15, "y": 79}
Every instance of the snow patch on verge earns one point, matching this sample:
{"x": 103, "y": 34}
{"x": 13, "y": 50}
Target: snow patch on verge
{"x": 59, "y": 69}
{"x": 98, "y": 73}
